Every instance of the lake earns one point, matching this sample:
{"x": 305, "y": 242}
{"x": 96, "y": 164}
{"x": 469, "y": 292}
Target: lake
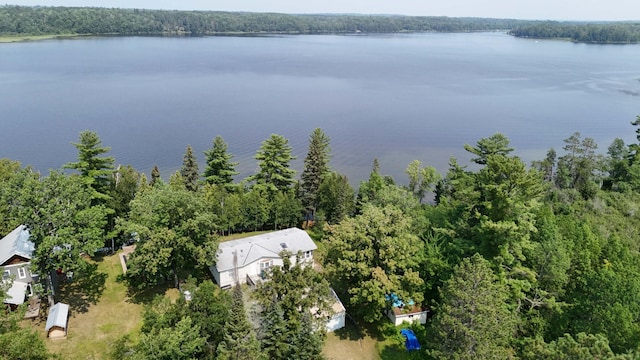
{"x": 395, "y": 97}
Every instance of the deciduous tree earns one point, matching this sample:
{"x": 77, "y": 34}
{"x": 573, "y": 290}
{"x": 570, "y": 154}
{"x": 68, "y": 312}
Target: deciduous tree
{"x": 372, "y": 255}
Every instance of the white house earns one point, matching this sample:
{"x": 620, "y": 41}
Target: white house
{"x": 246, "y": 260}
{"x": 16, "y": 251}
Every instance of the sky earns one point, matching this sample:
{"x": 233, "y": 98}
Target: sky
{"x": 515, "y": 9}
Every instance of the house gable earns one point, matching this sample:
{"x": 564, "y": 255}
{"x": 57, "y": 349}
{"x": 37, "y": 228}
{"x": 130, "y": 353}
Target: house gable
{"x": 16, "y": 247}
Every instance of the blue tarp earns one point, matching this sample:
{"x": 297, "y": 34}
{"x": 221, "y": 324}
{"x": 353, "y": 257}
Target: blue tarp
{"x": 396, "y": 301}
{"x": 411, "y": 342}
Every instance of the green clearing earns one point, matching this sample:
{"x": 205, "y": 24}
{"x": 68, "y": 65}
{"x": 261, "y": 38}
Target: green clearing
{"x": 101, "y": 311}
{"x": 362, "y": 341}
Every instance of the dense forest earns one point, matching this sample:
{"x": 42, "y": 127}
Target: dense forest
{"x": 22, "y": 20}
{"x": 603, "y": 33}
{"x": 536, "y": 261}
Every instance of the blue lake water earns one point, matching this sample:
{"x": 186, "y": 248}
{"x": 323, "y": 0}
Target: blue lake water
{"x": 394, "y": 97}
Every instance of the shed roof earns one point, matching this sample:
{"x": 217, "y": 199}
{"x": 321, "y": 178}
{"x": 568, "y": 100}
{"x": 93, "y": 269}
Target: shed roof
{"x": 58, "y": 316}
{"x": 251, "y": 249}
{"x": 15, "y": 294}
{"x": 16, "y": 243}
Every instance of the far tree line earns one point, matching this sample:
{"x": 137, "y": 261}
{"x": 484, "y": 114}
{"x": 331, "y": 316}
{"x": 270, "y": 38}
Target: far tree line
{"x": 96, "y": 21}
{"x": 23, "y": 20}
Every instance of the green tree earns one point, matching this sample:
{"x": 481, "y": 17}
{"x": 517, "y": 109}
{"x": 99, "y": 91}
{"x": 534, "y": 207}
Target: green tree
{"x": 62, "y": 220}
{"x": 176, "y": 233}
{"x": 300, "y": 300}
{"x": 227, "y": 206}
{"x": 94, "y": 169}
{"x": 286, "y": 209}
{"x": 473, "y": 321}
{"x": 172, "y": 343}
{"x": 255, "y": 207}
{"x": 189, "y": 171}
{"x": 547, "y": 166}
{"x": 372, "y": 255}
{"x": 155, "y": 175}
{"x": 583, "y": 347}
{"x": 336, "y": 198}
{"x": 209, "y": 307}
{"x": 273, "y": 159}
{"x": 496, "y": 144}
{"x": 368, "y": 190}
{"x": 421, "y": 179}
{"x": 240, "y": 342}
{"x": 124, "y": 186}
{"x": 220, "y": 169}
{"x": 316, "y": 167}
{"x": 275, "y": 339}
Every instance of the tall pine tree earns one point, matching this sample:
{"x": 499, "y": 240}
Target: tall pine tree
{"x": 473, "y": 321}
{"x": 189, "y": 171}
{"x": 240, "y": 342}
{"x": 316, "y": 166}
{"x": 274, "y": 157}
{"x": 94, "y": 169}
{"x": 220, "y": 169}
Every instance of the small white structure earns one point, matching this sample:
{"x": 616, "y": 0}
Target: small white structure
{"x": 337, "y": 321}
{"x": 247, "y": 260}
{"x": 57, "y": 321}
{"x": 399, "y": 315}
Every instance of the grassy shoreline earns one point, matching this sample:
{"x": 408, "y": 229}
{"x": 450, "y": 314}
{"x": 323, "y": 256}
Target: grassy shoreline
{"x": 24, "y": 38}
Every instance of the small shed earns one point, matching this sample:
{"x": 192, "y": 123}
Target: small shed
{"x": 337, "y": 319}
{"x": 57, "y": 321}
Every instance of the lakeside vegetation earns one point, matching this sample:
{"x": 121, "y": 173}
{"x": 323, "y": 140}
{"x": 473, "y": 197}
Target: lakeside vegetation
{"x": 513, "y": 261}
{"x": 32, "y": 23}
{"x": 600, "y": 33}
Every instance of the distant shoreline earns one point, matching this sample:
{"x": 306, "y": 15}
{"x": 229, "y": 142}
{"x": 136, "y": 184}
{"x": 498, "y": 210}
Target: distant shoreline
{"x": 23, "y": 23}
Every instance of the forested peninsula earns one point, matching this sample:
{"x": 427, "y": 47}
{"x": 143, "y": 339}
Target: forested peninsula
{"x": 51, "y": 21}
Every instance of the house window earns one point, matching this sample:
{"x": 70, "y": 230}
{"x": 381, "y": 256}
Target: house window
{"x": 22, "y": 273}
{"x": 307, "y": 254}
{"x": 6, "y": 275}
{"x": 265, "y": 265}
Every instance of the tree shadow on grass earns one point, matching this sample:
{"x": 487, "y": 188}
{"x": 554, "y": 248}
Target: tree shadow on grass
{"x": 398, "y": 352}
{"x": 84, "y": 289}
{"x": 147, "y": 295}
{"x": 357, "y": 329}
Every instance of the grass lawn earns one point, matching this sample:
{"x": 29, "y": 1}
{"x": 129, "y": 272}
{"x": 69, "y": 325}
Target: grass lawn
{"x": 379, "y": 341}
{"x": 100, "y": 312}
{"x": 350, "y": 343}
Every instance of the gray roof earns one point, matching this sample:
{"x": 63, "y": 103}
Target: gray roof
{"x": 16, "y": 293}
{"x": 57, "y": 316}
{"x": 16, "y": 243}
{"x": 269, "y": 245}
